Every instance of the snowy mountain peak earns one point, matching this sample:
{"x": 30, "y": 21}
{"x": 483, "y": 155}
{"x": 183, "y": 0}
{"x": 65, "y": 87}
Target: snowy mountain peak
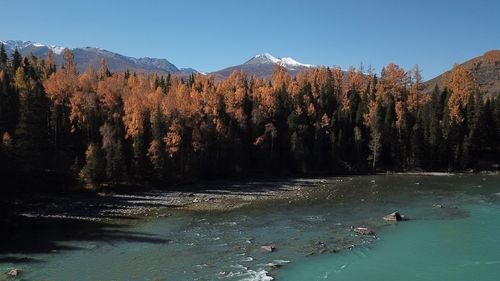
{"x": 20, "y": 44}
{"x": 291, "y": 62}
{"x": 56, "y": 49}
{"x": 286, "y": 62}
{"x": 267, "y": 57}
{"x": 90, "y": 57}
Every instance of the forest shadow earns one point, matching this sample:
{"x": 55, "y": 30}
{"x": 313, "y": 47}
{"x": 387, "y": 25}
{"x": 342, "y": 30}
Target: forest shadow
{"x": 16, "y": 260}
{"x": 49, "y": 224}
{"x": 21, "y": 237}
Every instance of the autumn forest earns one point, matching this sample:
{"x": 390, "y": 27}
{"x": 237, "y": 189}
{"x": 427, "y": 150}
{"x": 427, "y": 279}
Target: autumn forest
{"x": 98, "y": 127}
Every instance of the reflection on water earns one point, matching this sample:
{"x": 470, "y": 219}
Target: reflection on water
{"x": 312, "y": 234}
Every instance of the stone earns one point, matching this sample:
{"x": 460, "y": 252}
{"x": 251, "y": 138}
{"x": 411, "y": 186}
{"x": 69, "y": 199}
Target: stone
{"x": 396, "y": 216}
{"x": 14, "y": 272}
{"x": 268, "y": 248}
{"x": 274, "y": 265}
{"x": 363, "y": 231}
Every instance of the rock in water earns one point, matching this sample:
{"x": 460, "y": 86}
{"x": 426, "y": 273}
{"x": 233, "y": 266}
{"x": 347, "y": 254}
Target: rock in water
{"x": 13, "y": 272}
{"x": 268, "y": 248}
{"x": 273, "y": 265}
{"x": 396, "y": 216}
{"x": 363, "y": 231}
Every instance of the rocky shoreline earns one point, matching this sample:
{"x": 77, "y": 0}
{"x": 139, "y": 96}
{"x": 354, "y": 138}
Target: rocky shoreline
{"x": 216, "y": 197}
{"x": 208, "y": 196}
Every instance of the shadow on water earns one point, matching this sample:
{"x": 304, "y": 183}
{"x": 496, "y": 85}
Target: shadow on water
{"x": 22, "y": 236}
{"x": 16, "y": 260}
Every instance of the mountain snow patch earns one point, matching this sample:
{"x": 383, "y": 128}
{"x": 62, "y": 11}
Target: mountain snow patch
{"x": 286, "y": 62}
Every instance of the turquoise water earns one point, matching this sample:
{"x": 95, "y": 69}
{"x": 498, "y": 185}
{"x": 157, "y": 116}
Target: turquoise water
{"x": 461, "y": 249}
{"x": 312, "y": 233}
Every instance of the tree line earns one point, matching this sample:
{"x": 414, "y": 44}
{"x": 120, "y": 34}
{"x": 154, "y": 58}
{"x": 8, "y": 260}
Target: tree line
{"x": 100, "y": 127}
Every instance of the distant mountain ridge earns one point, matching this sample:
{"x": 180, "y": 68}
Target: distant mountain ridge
{"x": 90, "y": 56}
{"x": 485, "y": 69}
{"x": 261, "y": 65}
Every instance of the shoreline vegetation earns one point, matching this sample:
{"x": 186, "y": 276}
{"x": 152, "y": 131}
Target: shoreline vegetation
{"x": 65, "y": 131}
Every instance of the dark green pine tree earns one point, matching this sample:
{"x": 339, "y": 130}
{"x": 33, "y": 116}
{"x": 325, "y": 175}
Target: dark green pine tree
{"x": 9, "y": 104}
{"x": 156, "y": 151}
{"x": 140, "y": 161}
{"x": 478, "y": 126}
{"x": 416, "y": 145}
{"x": 496, "y": 117}
{"x": 361, "y": 136}
{"x": 16, "y": 60}
{"x": 30, "y": 132}
{"x": 435, "y": 147}
{"x": 296, "y": 126}
{"x": 94, "y": 169}
{"x": 489, "y": 126}
{"x": 389, "y": 155}
{"x": 113, "y": 148}
{"x": 376, "y": 139}
{"x": 168, "y": 82}
{"x": 3, "y": 58}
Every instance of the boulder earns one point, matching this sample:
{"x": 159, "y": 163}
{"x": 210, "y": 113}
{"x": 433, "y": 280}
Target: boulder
{"x": 13, "y": 272}
{"x": 396, "y": 216}
{"x": 268, "y": 248}
{"x": 363, "y": 231}
{"x": 273, "y": 265}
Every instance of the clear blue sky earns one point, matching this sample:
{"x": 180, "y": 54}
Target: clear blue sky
{"x": 209, "y": 35}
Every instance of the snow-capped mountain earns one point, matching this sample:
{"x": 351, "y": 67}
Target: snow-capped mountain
{"x": 263, "y": 59}
{"x": 263, "y": 65}
{"x": 286, "y": 62}
{"x": 90, "y": 56}
{"x": 11, "y": 45}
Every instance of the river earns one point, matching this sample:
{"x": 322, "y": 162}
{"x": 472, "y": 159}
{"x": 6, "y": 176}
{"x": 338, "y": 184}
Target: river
{"x": 452, "y": 234}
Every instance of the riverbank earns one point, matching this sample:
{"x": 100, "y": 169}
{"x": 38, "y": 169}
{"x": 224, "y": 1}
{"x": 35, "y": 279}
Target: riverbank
{"x": 215, "y": 196}
{"x": 112, "y": 204}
